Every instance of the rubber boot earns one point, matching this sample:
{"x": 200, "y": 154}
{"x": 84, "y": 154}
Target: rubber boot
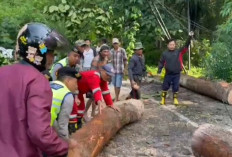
{"x": 163, "y": 97}
{"x": 175, "y": 99}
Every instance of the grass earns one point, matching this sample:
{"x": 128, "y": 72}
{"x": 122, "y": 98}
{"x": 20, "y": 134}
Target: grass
{"x": 195, "y": 72}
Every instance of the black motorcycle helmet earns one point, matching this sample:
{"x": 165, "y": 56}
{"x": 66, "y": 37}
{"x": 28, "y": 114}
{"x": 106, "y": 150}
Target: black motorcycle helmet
{"x": 34, "y": 40}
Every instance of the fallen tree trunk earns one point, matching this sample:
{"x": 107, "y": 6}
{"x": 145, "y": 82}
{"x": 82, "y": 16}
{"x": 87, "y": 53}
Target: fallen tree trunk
{"x": 95, "y": 134}
{"x": 218, "y": 90}
{"x": 212, "y": 141}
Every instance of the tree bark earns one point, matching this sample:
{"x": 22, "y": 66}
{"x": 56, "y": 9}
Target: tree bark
{"x": 97, "y": 133}
{"x": 218, "y": 90}
{"x": 212, "y": 141}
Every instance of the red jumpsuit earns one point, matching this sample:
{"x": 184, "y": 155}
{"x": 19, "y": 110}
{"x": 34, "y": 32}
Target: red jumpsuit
{"x": 92, "y": 82}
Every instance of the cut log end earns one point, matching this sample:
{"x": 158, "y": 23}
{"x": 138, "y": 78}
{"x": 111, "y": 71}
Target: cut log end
{"x": 230, "y": 97}
{"x": 212, "y": 141}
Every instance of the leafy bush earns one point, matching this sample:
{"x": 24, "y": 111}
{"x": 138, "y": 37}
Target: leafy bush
{"x": 4, "y": 61}
{"x": 218, "y": 64}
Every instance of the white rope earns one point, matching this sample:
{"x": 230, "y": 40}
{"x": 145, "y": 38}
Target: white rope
{"x": 152, "y": 9}
{"x": 162, "y": 21}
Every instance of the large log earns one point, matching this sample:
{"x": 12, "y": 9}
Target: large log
{"x": 212, "y": 141}
{"x": 218, "y": 90}
{"x": 95, "y": 134}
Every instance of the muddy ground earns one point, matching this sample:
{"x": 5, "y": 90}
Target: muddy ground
{"x": 166, "y": 131}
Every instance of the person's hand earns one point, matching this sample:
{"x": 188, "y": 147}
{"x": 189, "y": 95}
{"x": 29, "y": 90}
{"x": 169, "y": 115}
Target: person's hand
{"x": 114, "y": 108}
{"x": 135, "y": 86}
{"x": 72, "y": 143}
{"x": 106, "y": 58}
{"x": 77, "y": 101}
{"x": 191, "y": 33}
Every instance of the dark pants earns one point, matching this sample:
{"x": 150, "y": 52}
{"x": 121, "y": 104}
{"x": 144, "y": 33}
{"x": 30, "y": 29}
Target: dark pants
{"x": 136, "y": 94}
{"x": 171, "y": 79}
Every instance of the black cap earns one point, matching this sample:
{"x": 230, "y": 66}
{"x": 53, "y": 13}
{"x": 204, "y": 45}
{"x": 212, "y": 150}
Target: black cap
{"x": 68, "y": 71}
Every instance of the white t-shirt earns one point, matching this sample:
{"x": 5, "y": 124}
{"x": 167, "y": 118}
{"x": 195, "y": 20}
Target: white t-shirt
{"x": 88, "y": 57}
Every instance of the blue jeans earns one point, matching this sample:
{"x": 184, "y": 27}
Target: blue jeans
{"x": 171, "y": 79}
{"x": 117, "y": 80}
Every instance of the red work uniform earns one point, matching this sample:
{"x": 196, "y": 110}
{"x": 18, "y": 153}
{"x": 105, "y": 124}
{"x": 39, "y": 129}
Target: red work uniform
{"x": 92, "y": 82}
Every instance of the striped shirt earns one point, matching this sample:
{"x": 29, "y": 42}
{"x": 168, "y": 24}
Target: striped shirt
{"x": 119, "y": 59}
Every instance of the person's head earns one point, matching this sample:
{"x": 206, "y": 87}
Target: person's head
{"x": 35, "y": 41}
{"x": 107, "y": 72}
{"x": 138, "y": 48}
{"x": 171, "y": 44}
{"x": 115, "y": 43}
{"x": 104, "y": 51}
{"x": 88, "y": 42}
{"x": 103, "y": 41}
{"x": 80, "y": 45}
{"x": 69, "y": 76}
{"x": 73, "y": 58}
{"x": 49, "y": 60}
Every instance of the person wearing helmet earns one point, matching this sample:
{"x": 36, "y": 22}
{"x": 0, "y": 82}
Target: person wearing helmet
{"x": 26, "y": 97}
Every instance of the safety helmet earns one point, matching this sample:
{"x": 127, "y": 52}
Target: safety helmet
{"x": 34, "y": 40}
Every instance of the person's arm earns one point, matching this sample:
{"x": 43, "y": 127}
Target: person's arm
{"x": 94, "y": 63}
{"x": 106, "y": 93}
{"x": 125, "y": 60}
{"x": 161, "y": 63}
{"x": 55, "y": 69}
{"x": 94, "y": 85}
{"x": 63, "y": 119}
{"x": 184, "y": 49}
{"x": 102, "y": 63}
{"x": 38, "y": 104}
{"x": 130, "y": 67}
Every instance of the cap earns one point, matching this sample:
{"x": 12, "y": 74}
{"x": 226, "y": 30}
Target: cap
{"x": 115, "y": 41}
{"x": 138, "y": 46}
{"x": 104, "y": 47}
{"x": 80, "y": 43}
{"x": 109, "y": 69}
{"x": 68, "y": 71}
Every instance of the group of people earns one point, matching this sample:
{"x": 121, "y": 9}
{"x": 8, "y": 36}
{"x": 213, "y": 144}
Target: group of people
{"x": 37, "y": 117}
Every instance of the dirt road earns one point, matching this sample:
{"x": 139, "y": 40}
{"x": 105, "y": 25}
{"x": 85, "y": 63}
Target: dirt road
{"x": 166, "y": 131}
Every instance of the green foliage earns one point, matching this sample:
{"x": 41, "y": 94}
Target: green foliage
{"x": 4, "y": 61}
{"x": 15, "y": 13}
{"x": 199, "y": 51}
{"x": 218, "y": 63}
{"x": 196, "y": 72}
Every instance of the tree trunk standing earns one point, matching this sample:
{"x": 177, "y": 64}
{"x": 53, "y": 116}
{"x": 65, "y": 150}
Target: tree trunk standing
{"x": 218, "y": 90}
{"x": 98, "y": 132}
{"x": 212, "y": 141}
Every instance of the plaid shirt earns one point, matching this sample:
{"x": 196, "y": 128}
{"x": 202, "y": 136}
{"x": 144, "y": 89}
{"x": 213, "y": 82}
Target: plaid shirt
{"x": 119, "y": 59}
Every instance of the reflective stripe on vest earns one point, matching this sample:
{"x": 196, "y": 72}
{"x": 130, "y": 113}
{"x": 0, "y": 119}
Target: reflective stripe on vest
{"x": 59, "y": 91}
{"x": 63, "y": 62}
